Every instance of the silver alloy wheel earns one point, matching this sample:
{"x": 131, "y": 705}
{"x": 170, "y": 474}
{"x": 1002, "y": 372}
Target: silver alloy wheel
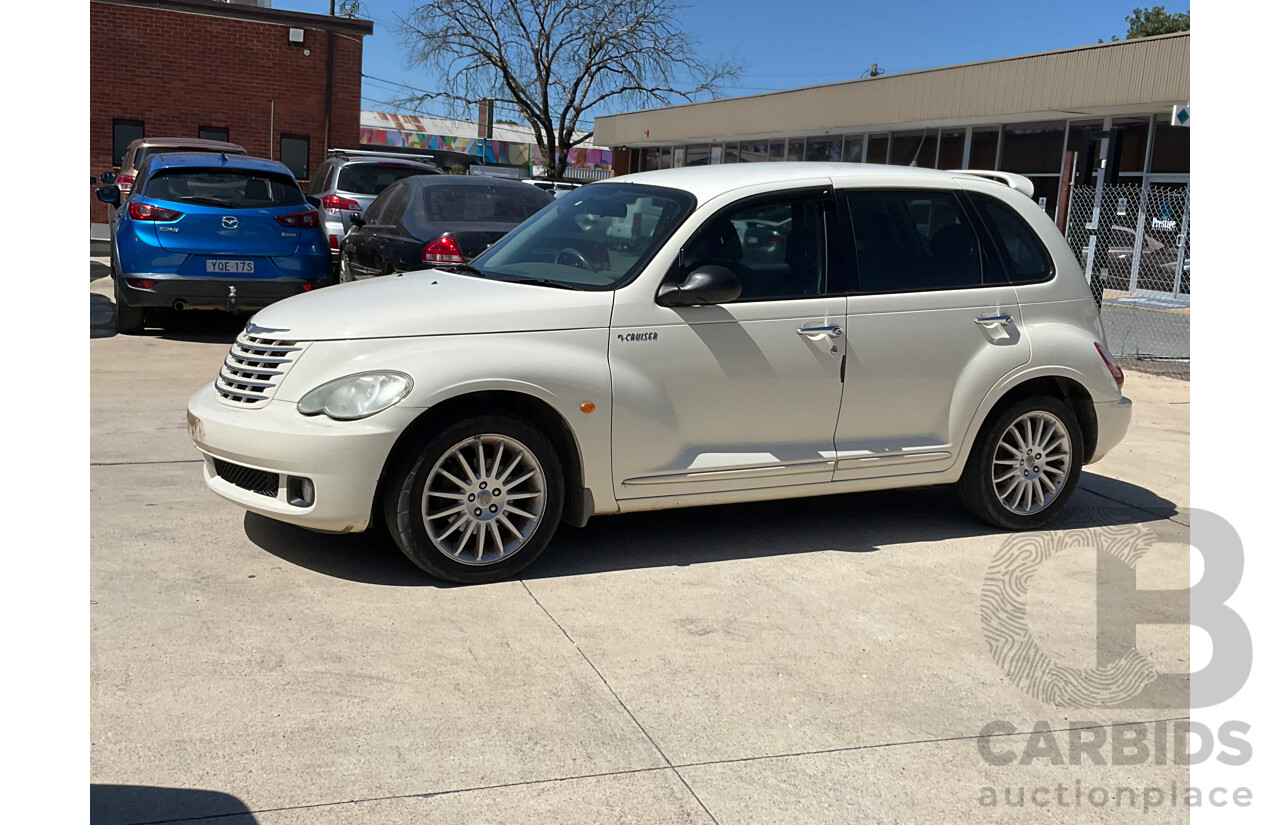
{"x": 1032, "y": 462}
{"x": 484, "y": 499}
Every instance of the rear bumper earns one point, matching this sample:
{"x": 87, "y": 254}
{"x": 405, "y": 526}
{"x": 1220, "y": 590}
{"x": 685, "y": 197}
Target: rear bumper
{"x": 231, "y": 294}
{"x": 1113, "y": 423}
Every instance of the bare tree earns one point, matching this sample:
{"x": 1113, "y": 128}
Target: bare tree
{"x": 555, "y": 60}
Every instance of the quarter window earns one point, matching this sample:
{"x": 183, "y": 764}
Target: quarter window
{"x": 909, "y": 241}
{"x": 1025, "y": 257}
{"x": 778, "y": 248}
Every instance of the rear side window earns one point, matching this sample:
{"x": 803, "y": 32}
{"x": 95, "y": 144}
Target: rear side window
{"x": 373, "y": 178}
{"x": 1025, "y": 257}
{"x": 458, "y": 203}
{"x": 224, "y": 188}
{"x": 914, "y": 240}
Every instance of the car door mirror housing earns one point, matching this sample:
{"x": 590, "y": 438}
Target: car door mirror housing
{"x": 709, "y": 284}
{"x": 357, "y": 220}
{"x": 314, "y": 201}
{"x": 107, "y": 178}
{"x": 109, "y": 195}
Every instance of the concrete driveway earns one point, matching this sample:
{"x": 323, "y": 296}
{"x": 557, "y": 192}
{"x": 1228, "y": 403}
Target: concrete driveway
{"x": 809, "y": 661}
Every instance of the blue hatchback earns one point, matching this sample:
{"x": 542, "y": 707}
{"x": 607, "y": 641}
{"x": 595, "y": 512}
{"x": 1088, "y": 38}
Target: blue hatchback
{"x": 208, "y": 231}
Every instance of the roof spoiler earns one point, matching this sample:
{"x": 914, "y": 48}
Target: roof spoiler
{"x": 1015, "y": 182}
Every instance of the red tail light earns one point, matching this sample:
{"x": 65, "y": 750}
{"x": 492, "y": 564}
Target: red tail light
{"x": 337, "y": 202}
{"x": 125, "y": 182}
{"x": 443, "y": 250}
{"x": 333, "y": 241}
{"x": 307, "y": 220}
{"x": 1117, "y": 374}
{"x": 147, "y": 212}
{"x": 140, "y": 283}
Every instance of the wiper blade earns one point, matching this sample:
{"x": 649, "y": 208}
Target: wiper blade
{"x": 545, "y": 282}
{"x": 465, "y": 268}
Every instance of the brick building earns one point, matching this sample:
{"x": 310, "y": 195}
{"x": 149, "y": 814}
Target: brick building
{"x": 259, "y": 77}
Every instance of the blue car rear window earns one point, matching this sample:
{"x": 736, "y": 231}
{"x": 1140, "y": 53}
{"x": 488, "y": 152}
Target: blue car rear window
{"x": 224, "y": 188}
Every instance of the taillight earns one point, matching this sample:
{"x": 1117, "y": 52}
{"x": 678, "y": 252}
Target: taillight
{"x": 338, "y": 202}
{"x": 147, "y": 212}
{"x": 306, "y": 220}
{"x": 443, "y": 250}
{"x": 125, "y": 182}
{"x": 333, "y": 241}
{"x": 1117, "y": 374}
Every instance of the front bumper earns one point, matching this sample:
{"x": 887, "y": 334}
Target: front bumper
{"x": 231, "y": 294}
{"x": 342, "y": 459}
{"x": 1113, "y": 423}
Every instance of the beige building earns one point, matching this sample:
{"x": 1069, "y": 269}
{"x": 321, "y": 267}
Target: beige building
{"x": 1054, "y": 117}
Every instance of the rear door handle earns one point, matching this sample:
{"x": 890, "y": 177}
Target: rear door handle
{"x": 830, "y": 330}
{"x": 992, "y": 320}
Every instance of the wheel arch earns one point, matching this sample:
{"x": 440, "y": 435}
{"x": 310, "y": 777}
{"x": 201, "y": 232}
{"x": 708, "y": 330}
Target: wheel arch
{"x": 1056, "y": 385}
{"x": 578, "y": 504}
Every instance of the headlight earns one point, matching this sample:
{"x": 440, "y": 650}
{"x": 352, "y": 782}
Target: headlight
{"x": 356, "y": 396}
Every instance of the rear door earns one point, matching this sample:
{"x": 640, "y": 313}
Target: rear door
{"x": 933, "y": 324}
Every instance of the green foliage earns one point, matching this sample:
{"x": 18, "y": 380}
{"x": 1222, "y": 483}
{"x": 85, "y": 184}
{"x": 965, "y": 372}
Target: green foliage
{"x": 1153, "y": 21}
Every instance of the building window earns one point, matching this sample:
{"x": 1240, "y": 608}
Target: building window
{"x": 878, "y": 149}
{"x": 1131, "y": 132}
{"x": 1172, "y": 151}
{"x": 951, "y": 150}
{"x": 650, "y": 157}
{"x": 699, "y": 154}
{"x": 731, "y": 153}
{"x": 823, "y": 149}
{"x": 1030, "y": 148}
{"x": 664, "y": 157}
{"x": 795, "y": 149}
{"x": 123, "y": 132}
{"x": 777, "y": 150}
{"x": 214, "y": 133}
{"x": 853, "y": 148}
{"x": 920, "y": 147}
{"x": 753, "y": 152}
{"x": 717, "y": 154}
{"x": 295, "y": 152}
{"x": 982, "y": 149}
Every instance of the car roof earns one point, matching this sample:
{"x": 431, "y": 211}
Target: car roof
{"x": 181, "y": 160}
{"x": 192, "y": 143}
{"x": 707, "y": 182}
{"x": 465, "y": 180}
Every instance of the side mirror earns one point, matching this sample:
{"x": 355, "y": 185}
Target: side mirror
{"x": 708, "y": 284}
{"x": 109, "y": 195}
{"x": 107, "y": 178}
{"x": 314, "y": 201}
{"x": 357, "y": 220}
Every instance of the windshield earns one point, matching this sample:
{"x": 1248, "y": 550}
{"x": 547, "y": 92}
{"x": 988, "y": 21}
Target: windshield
{"x": 598, "y": 237}
{"x": 372, "y": 178}
{"x": 225, "y": 188}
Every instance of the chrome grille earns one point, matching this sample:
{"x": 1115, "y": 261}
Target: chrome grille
{"x": 253, "y": 369}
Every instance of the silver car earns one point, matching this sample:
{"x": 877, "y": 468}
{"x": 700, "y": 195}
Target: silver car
{"x": 349, "y": 180}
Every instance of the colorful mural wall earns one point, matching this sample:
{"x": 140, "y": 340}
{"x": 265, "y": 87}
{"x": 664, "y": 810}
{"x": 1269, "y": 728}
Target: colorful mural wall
{"x": 493, "y": 151}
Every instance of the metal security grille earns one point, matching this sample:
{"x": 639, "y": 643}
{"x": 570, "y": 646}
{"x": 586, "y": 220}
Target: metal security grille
{"x": 1134, "y": 244}
{"x": 253, "y": 369}
{"x": 247, "y": 478}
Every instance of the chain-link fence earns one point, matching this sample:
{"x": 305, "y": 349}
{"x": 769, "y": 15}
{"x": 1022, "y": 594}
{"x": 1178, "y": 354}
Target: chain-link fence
{"x": 1134, "y": 244}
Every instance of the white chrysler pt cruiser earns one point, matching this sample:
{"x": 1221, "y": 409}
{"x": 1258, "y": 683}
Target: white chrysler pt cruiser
{"x": 675, "y": 338}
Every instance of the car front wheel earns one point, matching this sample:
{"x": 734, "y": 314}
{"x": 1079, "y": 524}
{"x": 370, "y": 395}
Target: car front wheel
{"x": 478, "y": 502}
{"x": 1024, "y": 465}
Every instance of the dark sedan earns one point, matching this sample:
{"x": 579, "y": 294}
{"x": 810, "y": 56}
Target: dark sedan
{"x": 423, "y": 221}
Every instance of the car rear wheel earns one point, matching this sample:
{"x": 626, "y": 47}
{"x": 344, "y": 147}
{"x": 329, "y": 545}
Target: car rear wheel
{"x": 129, "y": 320}
{"x": 344, "y": 269}
{"x": 478, "y": 502}
{"x": 1024, "y": 465}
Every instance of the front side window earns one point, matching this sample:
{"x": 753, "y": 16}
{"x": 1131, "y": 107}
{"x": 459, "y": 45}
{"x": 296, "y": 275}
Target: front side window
{"x": 777, "y": 248}
{"x": 1025, "y": 257}
{"x": 913, "y": 240}
{"x": 223, "y": 188}
{"x": 597, "y": 237}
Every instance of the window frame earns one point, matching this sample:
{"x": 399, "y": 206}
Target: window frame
{"x": 835, "y": 252}
{"x": 1000, "y": 252}
{"x": 988, "y": 263}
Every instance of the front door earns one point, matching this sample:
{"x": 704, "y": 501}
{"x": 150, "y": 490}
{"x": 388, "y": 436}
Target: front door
{"x": 932, "y": 326}
{"x": 743, "y": 394}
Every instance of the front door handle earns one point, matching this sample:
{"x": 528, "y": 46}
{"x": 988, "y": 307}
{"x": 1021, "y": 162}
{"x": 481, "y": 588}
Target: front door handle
{"x": 992, "y": 320}
{"x": 830, "y": 330}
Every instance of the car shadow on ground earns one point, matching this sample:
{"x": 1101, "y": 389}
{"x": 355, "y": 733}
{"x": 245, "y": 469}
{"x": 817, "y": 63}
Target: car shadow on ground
{"x": 112, "y": 804}
{"x": 848, "y": 523}
{"x": 197, "y": 327}
{"x": 98, "y": 271}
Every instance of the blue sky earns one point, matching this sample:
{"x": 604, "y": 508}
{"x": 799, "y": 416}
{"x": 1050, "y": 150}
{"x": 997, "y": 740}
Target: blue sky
{"x": 790, "y": 44}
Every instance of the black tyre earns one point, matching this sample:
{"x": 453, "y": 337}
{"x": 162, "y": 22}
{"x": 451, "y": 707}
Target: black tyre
{"x": 344, "y": 269}
{"x": 1024, "y": 465}
{"x": 479, "y": 501}
{"x": 129, "y": 320}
